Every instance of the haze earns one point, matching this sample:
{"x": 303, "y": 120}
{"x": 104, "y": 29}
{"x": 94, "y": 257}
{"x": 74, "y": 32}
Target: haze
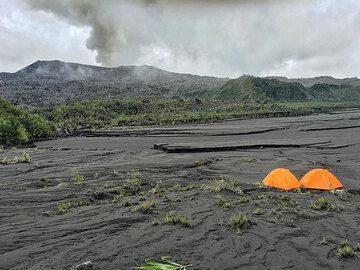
{"x": 299, "y": 38}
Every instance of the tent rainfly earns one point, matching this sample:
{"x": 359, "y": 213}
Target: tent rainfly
{"x": 320, "y": 179}
{"x": 282, "y": 179}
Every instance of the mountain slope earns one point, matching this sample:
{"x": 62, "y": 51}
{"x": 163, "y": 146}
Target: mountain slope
{"x": 308, "y": 82}
{"x": 54, "y": 82}
{"x": 46, "y": 83}
{"x": 255, "y": 89}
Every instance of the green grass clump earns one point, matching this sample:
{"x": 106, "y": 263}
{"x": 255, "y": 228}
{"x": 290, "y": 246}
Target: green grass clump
{"x": 240, "y": 221}
{"x": 258, "y": 211}
{"x": 24, "y": 158}
{"x": 341, "y": 193}
{"x": 178, "y": 187}
{"x": 64, "y": 207}
{"x": 77, "y": 178}
{"x": 163, "y": 264}
{"x": 346, "y": 251}
{"x": 63, "y": 184}
{"x": 109, "y": 184}
{"x": 175, "y": 218}
{"x": 158, "y": 189}
{"x": 222, "y": 184}
{"x": 204, "y": 162}
{"x": 242, "y": 199}
{"x": 260, "y": 185}
{"x": 222, "y": 202}
{"x": 116, "y": 198}
{"x": 145, "y": 207}
{"x": 323, "y": 204}
{"x": 133, "y": 182}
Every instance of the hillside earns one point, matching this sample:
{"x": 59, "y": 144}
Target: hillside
{"x": 256, "y": 89}
{"x": 46, "y": 83}
{"x": 308, "y": 82}
{"x": 249, "y": 88}
{"x": 53, "y": 82}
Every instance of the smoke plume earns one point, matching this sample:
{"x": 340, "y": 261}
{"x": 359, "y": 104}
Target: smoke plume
{"x": 226, "y": 38}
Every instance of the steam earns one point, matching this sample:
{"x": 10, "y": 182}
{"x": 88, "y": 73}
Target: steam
{"x": 223, "y": 38}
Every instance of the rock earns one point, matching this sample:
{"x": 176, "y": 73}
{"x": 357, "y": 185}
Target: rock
{"x": 85, "y": 266}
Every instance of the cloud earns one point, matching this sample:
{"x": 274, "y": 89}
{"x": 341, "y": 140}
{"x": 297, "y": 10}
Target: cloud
{"x": 222, "y": 38}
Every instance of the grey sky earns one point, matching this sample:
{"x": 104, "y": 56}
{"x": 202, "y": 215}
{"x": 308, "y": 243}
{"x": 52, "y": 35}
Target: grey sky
{"x": 294, "y": 38}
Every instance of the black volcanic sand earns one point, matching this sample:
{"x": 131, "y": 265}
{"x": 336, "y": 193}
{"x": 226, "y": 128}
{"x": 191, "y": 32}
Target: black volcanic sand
{"x": 288, "y": 233}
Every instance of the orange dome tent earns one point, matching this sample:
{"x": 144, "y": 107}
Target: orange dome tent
{"x": 320, "y": 179}
{"x": 282, "y": 179}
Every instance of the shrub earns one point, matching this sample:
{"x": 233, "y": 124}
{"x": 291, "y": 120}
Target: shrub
{"x": 18, "y": 127}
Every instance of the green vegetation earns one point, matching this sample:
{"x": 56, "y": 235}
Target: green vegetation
{"x": 77, "y": 178}
{"x": 240, "y": 221}
{"x": 25, "y": 158}
{"x": 109, "y": 184}
{"x": 258, "y": 211}
{"x": 222, "y": 202}
{"x": 133, "y": 182}
{"x": 178, "y": 187}
{"x": 163, "y": 264}
{"x": 160, "y": 111}
{"x": 254, "y": 89}
{"x": 175, "y": 218}
{"x": 145, "y": 207}
{"x": 204, "y": 162}
{"x": 249, "y": 88}
{"x": 64, "y": 207}
{"x": 323, "y": 204}
{"x": 222, "y": 184}
{"x": 18, "y": 127}
{"x": 346, "y": 250}
{"x": 260, "y": 185}
{"x": 341, "y": 193}
{"x": 158, "y": 189}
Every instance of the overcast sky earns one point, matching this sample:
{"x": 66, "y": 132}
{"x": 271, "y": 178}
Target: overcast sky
{"x": 227, "y": 38}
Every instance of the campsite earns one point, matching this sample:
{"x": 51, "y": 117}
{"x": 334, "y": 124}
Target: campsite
{"x": 179, "y": 135}
{"x": 113, "y": 199}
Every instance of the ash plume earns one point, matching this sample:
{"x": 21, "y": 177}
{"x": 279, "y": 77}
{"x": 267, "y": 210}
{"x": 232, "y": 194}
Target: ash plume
{"x": 222, "y": 38}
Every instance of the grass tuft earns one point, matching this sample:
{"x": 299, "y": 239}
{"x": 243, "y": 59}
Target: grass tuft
{"x": 24, "y": 158}
{"x": 323, "y": 204}
{"x": 77, "y": 178}
{"x": 222, "y": 202}
{"x": 240, "y": 221}
{"x": 133, "y": 182}
{"x": 175, "y": 218}
{"x": 145, "y": 207}
{"x": 222, "y": 184}
{"x": 163, "y": 264}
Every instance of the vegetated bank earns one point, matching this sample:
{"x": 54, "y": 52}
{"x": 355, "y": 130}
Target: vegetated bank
{"x": 94, "y": 114}
{"x": 18, "y": 127}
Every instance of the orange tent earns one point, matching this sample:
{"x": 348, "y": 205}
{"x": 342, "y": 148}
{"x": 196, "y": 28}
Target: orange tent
{"x": 320, "y": 179}
{"x": 282, "y": 179}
